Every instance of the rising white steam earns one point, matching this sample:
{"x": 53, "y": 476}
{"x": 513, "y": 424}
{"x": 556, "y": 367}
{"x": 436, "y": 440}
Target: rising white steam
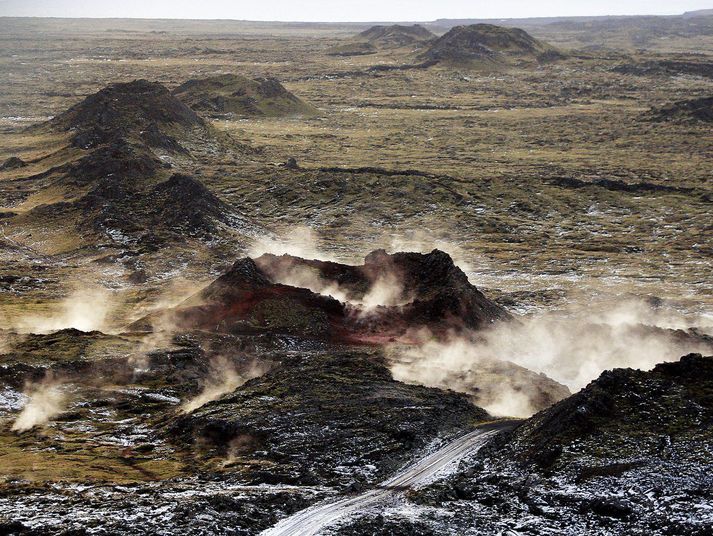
{"x": 45, "y": 400}
{"x": 222, "y": 379}
{"x": 572, "y": 349}
{"x": 161, "y": 317}
{"x": 299, "y": 275}
{"x": 386, "y": 291}
{"x": 86, "y": 309}
{"x": 499, "y": 387}
{"x": 576, "y": 348}
{"x": 301, "y": 241}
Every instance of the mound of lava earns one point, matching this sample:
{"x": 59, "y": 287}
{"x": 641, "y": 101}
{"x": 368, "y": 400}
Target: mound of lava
{"x": 388, "y": 298}
{"x": 335, "y": 418}
{"x": 395, "y": 36}
{"x": 136, "y": 109}
{"x": 230, "y": 93}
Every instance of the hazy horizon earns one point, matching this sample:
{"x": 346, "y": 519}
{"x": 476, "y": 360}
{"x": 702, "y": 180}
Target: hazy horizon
{"x": 349, "y": 11}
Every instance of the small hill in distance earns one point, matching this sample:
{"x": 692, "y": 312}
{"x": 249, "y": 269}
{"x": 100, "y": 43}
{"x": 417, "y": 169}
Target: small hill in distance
{"x": 379, "y": 38}
{"x": 698, "y": 13}
{"x": 486, "y": 45}
{"x": 395, "y": 36}
{"x": 242, "y": 96}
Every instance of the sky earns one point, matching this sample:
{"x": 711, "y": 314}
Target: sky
{"x": 343, "y": 10}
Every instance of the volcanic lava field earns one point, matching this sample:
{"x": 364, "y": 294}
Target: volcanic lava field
{"x": 271, "y": 278}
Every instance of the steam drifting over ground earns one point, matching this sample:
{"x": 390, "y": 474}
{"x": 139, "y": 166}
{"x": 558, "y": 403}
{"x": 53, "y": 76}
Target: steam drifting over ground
{"x": 302, "y": 241}
{"x": 45, "y": 401}
{"x": 223, "y": 378}
{"x": 572, "y": 349}
{"x": 85, "y": 309}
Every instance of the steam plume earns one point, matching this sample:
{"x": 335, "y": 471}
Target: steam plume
{"x": 301, "y": 241}
{"x": 302, "y": 276}
{"x": 86, "y": 309}
{"x": 45, "y": 400}
{"x": 387, "y": 291}
{"x": 161, "y": 317}
{"x": 499, "y": 387}
{"x": 222, "y": 379}
{"x": 572, "y": 349}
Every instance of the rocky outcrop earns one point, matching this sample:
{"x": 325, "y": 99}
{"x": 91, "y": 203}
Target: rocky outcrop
{"x": 629, "y": 454}
{"x": 12, "y": 163}
{"x": 666, "y": 68}
{"x": 625, "y": 413}
{"x": 685, "y": 111}
{"x": 427, "y": 287}
{"x": 184, "y": 204}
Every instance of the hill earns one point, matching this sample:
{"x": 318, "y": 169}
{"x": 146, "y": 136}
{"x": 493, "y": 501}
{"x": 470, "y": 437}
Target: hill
{"x": 392, "y": 301}
{"x": 379, "y": 38}
{"x": 486, "y": 45}
{"x": 140, "y": 109}
{"x": 315, "y": 420}
{"x": 395, "y": 36}
{"x": 629, "y": 454}
{"x": 238, "y": 95}
{"x": 121, "y": 179}
{"x": 388, "y": 298}
{"x": 698, "y": 13}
